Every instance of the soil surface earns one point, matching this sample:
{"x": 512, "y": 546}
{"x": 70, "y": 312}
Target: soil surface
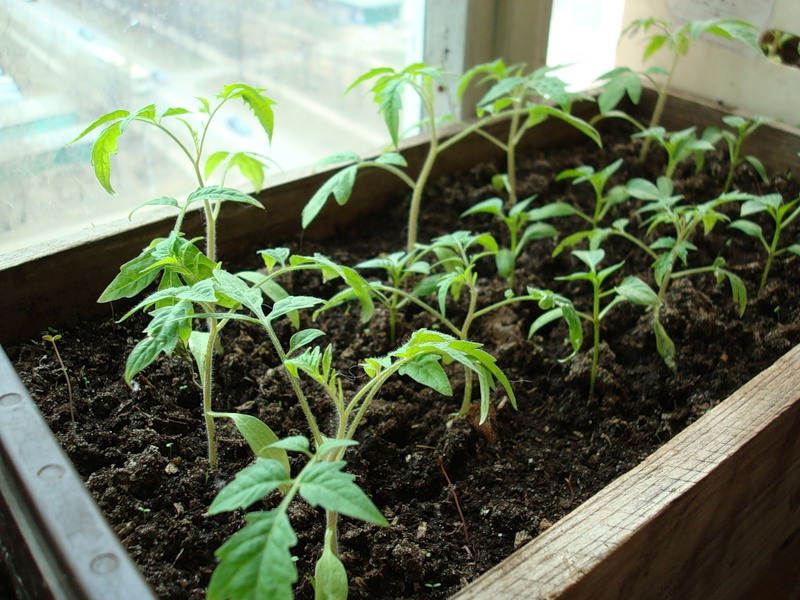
{"x": 459, "y": 497}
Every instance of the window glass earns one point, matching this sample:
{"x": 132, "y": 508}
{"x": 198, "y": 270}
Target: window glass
{"x": 63, "y": 63}
{"x": 583, "y": 36}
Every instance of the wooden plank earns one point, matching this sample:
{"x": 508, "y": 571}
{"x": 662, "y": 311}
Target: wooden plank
{"x": 700, "y": 518}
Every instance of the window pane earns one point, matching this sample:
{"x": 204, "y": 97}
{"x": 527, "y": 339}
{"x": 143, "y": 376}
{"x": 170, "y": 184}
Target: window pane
{"x": 66, "y": 62}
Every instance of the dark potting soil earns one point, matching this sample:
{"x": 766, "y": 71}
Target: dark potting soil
{"x": 459, "y": 497}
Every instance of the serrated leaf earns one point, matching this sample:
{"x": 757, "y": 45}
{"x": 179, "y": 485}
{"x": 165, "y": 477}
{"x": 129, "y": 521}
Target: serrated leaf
{"x": 303, "y": 338}
{"x": 216, "y": 193}
{"x": 133, "y": 277}
{"x": 427, "y": 370}
{"x": 292, "y": 303}
{"x": 260, "y": 105}
{"x": 251, "y": 483}
{"x": 325, "y": 484}
{"x": 255, "y": 563}
{"x": 259, "y": 437}
{"x": 338, "y": 158}
{"x": 106, "y": 118}
{"x": 492, "y": 206}
{"x": 236, "y": 289}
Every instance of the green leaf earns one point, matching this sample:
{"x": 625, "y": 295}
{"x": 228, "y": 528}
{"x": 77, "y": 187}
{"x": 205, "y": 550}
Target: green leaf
{"x": 294, "y": 443}
{"x": 166, "y": 329}
{"x": 104, "y": 146}
{"x": 330, "y": 577}
{"x": 303, "y": 338}
{"x": 273, "y": 256}
{"x": 427, "y": 370}
{"x": 115, "y": 115}
{"x": 492, "y": 206}
{"x": 215, "y": 193}
{"x": 260, "y": 105}
{"x": 198, "y": 347}
{"x": 292, "y": 303}
{"x": 392, "y": 158}
{"x": 250, "y": 484}
{"x": 340, "y": 185}
{"x": 237, "y": 290}
{"x": 758, "y": 166}
{"x": 258, "y": 436}
{"x": 255, "y": 563}
{"x": 749, "y": 228}
{"x": 506, "y": 260}
{"x": 637, "y": 291}
{"x": 134, "y": 276}
{"x": 325, "y": 484}
{"x": 272, "y": 290}
{"x": 339, "y": 158}
{"x": 162, "y": 201}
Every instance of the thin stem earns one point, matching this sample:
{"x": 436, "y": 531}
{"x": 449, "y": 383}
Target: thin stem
{"x": 511, "y": 160}
{"x": 596, "y": 336}
{"x": 473, "y": 299}
{"x": 301, "y": 398}
{"x": 52, "y": 339}
{"x": 207, "y": 381}
{"x": 659, "y": 108}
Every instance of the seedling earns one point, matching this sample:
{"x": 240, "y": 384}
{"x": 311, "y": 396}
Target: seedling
{"x": 676, "y": 40}
{"x": 258, "y": 556}
{"x": 53, "y": 339}
{"x": 524, "y": 225}
{"x": 744, "y": 128}
{"x": 453, "y": 272}
{"x": 603, "y": 201}
{"x": 250, "y": 164}
{"x": 521, "y": 96}
{"x": 387, "y": 89}
{"x": 682, "y": 220}
{"x": 681, "y": 145}
{"x": 258, "y": 559}
{"x": 592, "y": 259}
{"x": 782, "y": 215}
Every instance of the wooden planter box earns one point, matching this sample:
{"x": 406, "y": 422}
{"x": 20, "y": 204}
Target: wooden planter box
{"x": 700, "y": 518}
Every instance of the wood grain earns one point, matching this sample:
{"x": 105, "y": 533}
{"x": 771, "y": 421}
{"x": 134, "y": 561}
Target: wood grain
{"x": 700, "y": 518}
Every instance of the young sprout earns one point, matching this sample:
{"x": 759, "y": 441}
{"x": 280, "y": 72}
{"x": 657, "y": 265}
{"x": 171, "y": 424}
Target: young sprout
{"x": 523, "y": 224}
{"x": 388, "y": 88}
{"x": 676, "y": 40}
{"x": 169, "y": 121}
{"x": 523, "y": 98}
{"x": 681, "y": 145}
{"x": 744, "y": 128}
{"x": 53, "y": 339}
{"x": 782, "y": 215}
{"x": 453, "y": 274}
{"x": 603, "y": 201}
{"x": 592, "y": 259}
{"x": 682, "y": 220}
{"x": 258, "y": 556}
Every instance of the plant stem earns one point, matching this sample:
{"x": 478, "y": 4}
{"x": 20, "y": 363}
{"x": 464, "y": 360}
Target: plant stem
{"x": 301, "y": 398}
{"x": 596, "y": 336}
{"x": 52, "y": 339}
{"x": 207, "y": 381}
{"x": 659, "y": 108}
{"x": 473, "y": 299}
